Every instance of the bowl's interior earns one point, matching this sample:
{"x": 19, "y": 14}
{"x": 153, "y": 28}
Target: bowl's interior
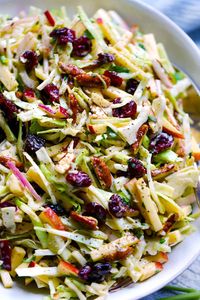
{"x": 176, "y": 42}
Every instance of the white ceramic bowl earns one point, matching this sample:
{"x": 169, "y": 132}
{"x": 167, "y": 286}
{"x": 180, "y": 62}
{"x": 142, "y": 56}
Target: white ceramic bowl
{"x": 183, "y": 53}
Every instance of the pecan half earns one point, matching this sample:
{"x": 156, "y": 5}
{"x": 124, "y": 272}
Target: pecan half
{"x": 139, "y": 137}
{"x": 70, "y": 69}
{"x": 169, "y": 223}
{"x": 163, "y": 171}
{"x": 73, "y": 104}
{"x": 89, "y": 80}
{"x": 102, "y": 172}
{"x": 88, "y": 222}
{"x": 119, "y": 254}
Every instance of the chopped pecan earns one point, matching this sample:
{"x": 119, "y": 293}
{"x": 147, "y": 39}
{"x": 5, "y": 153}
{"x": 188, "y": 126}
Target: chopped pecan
{"x": 163, "y": 171}
{"x": 5, "y": 159}
{"x": 139, "y": 137}
{"x": 74, "y": 106}
{"x": 70, "y": 69}
{"x": 88, "y": 222}
{"x": 180, "y": 147}
{"x": 93, "y": 80}
{"x": 19, "y": 94}
{"x": 83, "y": 78}
{"x": 119, "y": 254}
{"x": 102, "y": 172}
{"x": 169, "y": 223}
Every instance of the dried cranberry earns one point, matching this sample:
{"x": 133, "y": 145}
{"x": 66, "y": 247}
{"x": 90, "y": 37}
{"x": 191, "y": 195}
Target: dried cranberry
{"x": 59, "y": 210}
{"x": 95, "y": 210}
{"x": 8, "y": 107}
{"x": 99, "y": 271}
{"x": 129, "y": 110}
{"x": 5, "y": 253}
{"x": 102, "y": 268}
{"x": 29, "y": 93}
{"x": 33, "y": 143}
{"x": 51, "y": 93}
{"x": 131, "y": 86}
{"x": 105, "y": 58}
{"x": 84, "y": 272}
{"x": 99, "y": 21}
{"x": 6, "y": 204}
{"x": 136, "y": 168}
{"x": 30, "y": 59}
{"x": 82, "y": 46}
{"x": 116, "y": 206}
{"x": 32, "y": 264}
{"x": 120, "y": 173}
{"x": 160, "y": 142}
{"x": 63, "y": 35}
{"x": 114, "y": 78}
{"x": 79, "y": 179}
{"x": 76, "y": 140}
{"x": 95, "y": 272}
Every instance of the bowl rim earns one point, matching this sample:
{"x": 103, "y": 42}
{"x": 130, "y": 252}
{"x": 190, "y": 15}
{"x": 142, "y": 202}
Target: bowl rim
{"x": 177, "y": 28}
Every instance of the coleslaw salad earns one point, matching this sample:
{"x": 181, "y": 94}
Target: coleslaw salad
{"x": 97, "y": 162}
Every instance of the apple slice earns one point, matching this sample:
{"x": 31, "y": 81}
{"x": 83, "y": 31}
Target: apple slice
{"x": 97, "y": 128}
{"x": 65, "y": 268}
{"x": 151, "y": 269}
{"x": 50, "y": 217}
{"x": 169, "y": 128}
{"x": 195, "y": 149}
{"x": 161, "y": 257}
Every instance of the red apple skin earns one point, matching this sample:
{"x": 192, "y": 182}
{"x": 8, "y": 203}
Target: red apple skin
{"x": 50, "y": 217}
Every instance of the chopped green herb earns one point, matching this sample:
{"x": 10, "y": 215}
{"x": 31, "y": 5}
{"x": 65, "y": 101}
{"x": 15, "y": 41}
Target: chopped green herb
{"x": 29, "y": 259}
{"x": 152, "y": 119}
{"x": 141, "y": 46}
{"x": 77, "y": 207}
{"x": 179, "y": 76}
{"x": 119, "y": 69}
{"x": 1, "y": 87}
{"x": 162, "y": 240}
{"x": 88, "y": 34}
{"x": 3, "y": 60}
{"x": 124, "y": 198}
{"x": 111, "y": 134}
{"x": 138, "y": 232}
{"x": 21, "y": 85}
{"x": 35, "y": 127}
